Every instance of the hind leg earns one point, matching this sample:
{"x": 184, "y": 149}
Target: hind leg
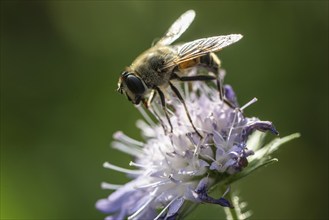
{"x": 212, "y": 63}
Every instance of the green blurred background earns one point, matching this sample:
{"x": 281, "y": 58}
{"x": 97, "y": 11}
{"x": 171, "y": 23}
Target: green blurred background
{"x": 60, "y": 61}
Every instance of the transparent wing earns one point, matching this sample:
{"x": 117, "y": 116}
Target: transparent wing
{"x": 177, "y": 28}
{"x": 200, "y": 47}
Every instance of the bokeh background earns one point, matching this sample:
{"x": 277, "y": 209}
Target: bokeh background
{"x": 60, "y": 61}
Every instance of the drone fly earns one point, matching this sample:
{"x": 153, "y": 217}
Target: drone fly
{"x": 155, "y": 69}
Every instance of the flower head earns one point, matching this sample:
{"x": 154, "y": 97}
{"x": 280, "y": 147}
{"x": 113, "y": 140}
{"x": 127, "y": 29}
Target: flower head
{"x": 180, "y": 168}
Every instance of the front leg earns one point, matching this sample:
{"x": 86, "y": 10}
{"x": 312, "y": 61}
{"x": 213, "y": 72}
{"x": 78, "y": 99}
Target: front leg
{"x": 147, "y": 103}
{"x": 163, "y": 104}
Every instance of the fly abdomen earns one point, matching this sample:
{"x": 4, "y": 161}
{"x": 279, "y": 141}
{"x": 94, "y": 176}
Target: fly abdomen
{"x": 211, "y": 62}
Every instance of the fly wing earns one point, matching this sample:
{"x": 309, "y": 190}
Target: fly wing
{"x": 177, "y": 28}
{"x": 200, "y": 47}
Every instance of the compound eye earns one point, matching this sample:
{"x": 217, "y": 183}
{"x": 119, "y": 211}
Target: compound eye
{"x": 135, "y": 84}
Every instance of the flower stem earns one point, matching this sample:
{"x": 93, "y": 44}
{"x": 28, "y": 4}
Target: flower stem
{"x": 231, "y": 213}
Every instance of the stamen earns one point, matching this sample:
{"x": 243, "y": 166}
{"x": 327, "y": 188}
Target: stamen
{"x": 105, "y": 185}
{"x": 199, "y": 145}
{"x": 219, "y": 135}
{"x": 154, "y": 111}
{"x": 146, "y": 116}
{"x": 155, "y": 108}
{"x": 141, "y": 208}
{"x": 161, "y": 116}
{"x": 128, "y": 140}
{"x": 171, "y": 113}
{"x": 214, "y": 161}
{"x": 148, "y": 131}
{"x": 210, "y": 158}
{"x": 189, "y": 136}
{"x": 233, "y": 122}
{"x": 122, "y": 170}
{"x": 155, "y": 184}
{"x": 165, "y": 208}
{"x": 249, "y": 103}
{"x": 226, "y": 191}
{"x": 166, "y": 159}
{"x": 128, "y": 150}
{"x": 131, "y": 163}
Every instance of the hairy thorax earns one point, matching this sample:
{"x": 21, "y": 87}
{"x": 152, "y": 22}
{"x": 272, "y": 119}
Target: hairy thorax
{"x": 149, "y": 66}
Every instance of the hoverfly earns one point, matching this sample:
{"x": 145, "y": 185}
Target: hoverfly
{"x": 155, "y": 69}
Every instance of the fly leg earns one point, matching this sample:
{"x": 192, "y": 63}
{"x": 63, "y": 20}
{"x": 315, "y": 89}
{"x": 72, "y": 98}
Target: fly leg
{"x": 177, "y": 93}
{"x": 163, "y": 104}
{"x": 195, "y": 78}
{"x": 189, "y": 79}
{"x": 211, "y": 62}
{"x": 147, "y": 104}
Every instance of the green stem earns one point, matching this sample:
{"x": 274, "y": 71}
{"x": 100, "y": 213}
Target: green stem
{"x": 232, "y": 213}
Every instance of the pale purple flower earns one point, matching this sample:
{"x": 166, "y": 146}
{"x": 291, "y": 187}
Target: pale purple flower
{"x": 174, "y": 171}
